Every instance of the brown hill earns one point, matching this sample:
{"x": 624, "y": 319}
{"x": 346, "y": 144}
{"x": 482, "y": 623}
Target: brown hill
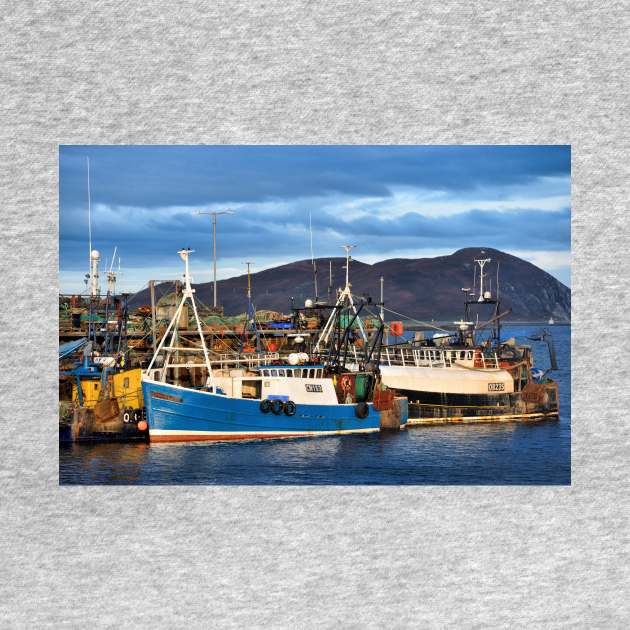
{"x": 424, "y": 288}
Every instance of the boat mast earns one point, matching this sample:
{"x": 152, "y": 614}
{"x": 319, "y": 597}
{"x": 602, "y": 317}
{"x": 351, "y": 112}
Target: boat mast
{"x": 249, "y": 283}
{"x": 188, "y": 294}
{"x": 348, "y": 259}
{"x": 382, "y": 302}
{"x": 481, "y": 264}
{"x": 344, "y": 300}
{"x": 250, "y": 317}
{"x": 498, "y": 308}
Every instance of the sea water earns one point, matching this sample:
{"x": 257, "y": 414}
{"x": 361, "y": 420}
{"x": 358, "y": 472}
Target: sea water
{"x": 506, "y": 453}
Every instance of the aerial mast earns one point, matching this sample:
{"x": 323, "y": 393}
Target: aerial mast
{"x": 89, "y": 200}
{"x": 94, "y": 256}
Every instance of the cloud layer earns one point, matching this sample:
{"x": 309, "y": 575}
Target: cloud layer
{"x": 389, "y": 201}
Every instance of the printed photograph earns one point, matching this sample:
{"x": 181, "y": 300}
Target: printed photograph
{"x": 315, "y": 314}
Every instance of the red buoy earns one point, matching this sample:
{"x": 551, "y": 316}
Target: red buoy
{"x": 142, "y": 425}
{"x": 396, "y": 328}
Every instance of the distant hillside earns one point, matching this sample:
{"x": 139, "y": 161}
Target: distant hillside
{"x": 424, "y": 288}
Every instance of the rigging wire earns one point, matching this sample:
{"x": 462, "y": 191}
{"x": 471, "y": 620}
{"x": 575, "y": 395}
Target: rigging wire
{"x": 411, "y": 319}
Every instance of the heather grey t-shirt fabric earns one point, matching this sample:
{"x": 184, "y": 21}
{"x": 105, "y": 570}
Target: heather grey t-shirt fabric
{"x": 305, "y": 72}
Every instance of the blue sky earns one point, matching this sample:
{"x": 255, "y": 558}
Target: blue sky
{"x": 389, "y": 201}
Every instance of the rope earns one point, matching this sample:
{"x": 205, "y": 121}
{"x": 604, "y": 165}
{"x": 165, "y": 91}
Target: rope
{"x": 411, "y": 319}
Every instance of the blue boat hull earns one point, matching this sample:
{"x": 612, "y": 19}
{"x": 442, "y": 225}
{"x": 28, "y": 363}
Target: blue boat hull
{"x": 179, "y": 414}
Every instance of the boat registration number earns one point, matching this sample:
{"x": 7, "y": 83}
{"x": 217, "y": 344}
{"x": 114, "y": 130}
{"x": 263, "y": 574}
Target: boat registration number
{"x": 313, "y": 388}
{"x": 496, "y": 387}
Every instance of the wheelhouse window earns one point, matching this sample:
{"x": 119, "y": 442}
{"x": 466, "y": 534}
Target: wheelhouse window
{"x": 274, "y": 372}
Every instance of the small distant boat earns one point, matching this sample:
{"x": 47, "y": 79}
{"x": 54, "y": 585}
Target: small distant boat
{"x": 551, "y": 321}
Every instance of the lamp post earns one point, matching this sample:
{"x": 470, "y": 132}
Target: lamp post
{"x": 214, "y": 214}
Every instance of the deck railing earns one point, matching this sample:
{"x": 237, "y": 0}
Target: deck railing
{"x": 437, "y": 357}
{"x": 219, "y": 362}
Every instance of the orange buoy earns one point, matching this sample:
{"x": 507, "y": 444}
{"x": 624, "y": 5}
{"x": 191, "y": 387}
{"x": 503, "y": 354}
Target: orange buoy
{"x": 396, "y": 328}
{"x": 142, "y": 425}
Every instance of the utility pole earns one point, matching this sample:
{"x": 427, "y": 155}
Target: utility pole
{"x": 214, "y": 214}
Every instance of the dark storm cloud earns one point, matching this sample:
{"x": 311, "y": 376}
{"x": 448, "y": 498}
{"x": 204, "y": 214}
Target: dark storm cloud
{"x": 159, "y": 176}
{"x": 144, "y": 198}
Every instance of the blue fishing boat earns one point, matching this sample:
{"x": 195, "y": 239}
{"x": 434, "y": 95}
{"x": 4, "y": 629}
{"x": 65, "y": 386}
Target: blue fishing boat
{"x": 178, "y": 413}
{"x": 252, "y": 396}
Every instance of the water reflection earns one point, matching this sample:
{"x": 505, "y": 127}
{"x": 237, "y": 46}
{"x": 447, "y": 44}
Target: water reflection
{"x": 107, "y": 462}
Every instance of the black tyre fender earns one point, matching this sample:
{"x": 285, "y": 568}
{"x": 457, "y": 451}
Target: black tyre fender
{"x": 361, "y": 410}
{"x": 265, "y": 406}
{"x": 276, "y": 407}
{"x": 290, "y": 408}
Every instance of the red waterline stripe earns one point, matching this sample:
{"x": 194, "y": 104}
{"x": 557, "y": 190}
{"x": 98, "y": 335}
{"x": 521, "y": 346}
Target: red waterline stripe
{"x": 221, "y": 438}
